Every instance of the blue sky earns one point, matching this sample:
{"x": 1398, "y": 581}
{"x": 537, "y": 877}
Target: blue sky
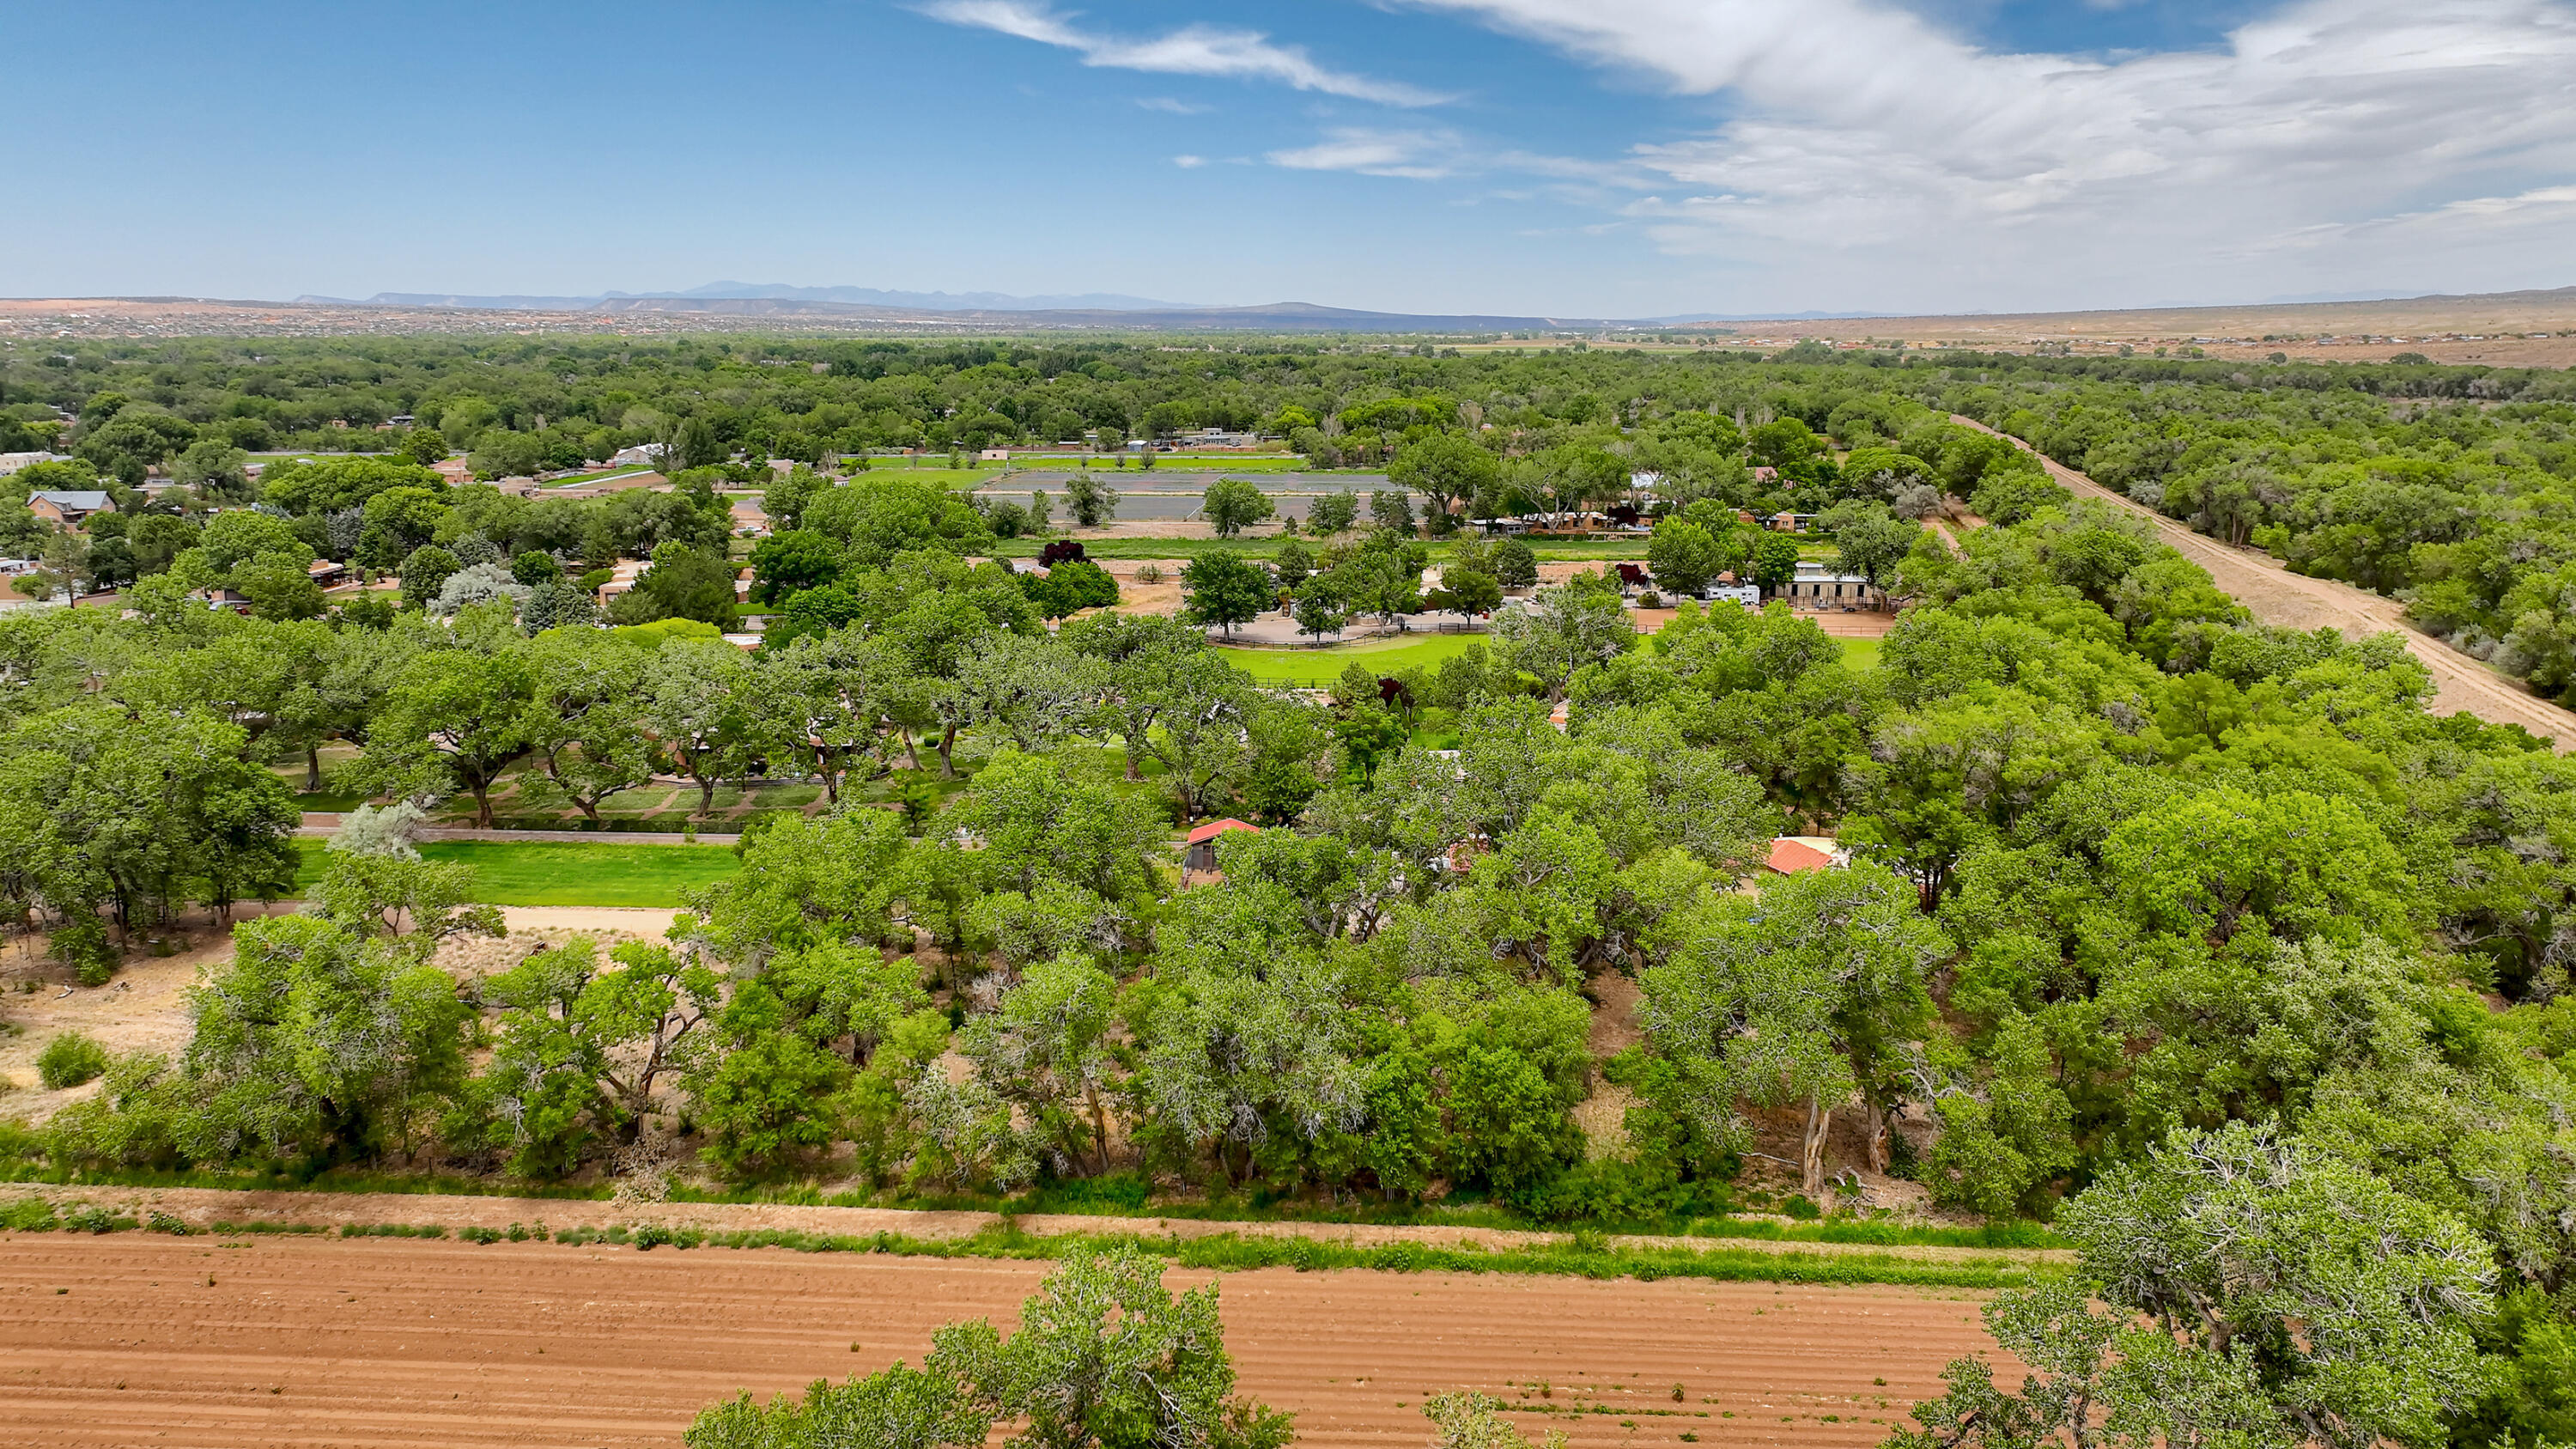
{"x": 1573, "y": 157}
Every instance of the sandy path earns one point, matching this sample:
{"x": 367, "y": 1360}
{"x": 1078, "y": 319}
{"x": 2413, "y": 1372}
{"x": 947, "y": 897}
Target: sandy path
{"x": 392, "y": 1342}
{"x": 2278, "y": 596}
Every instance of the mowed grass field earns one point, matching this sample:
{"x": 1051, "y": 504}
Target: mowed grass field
{"x": 1318, "y": 667}
{"x": 543, "y": 874}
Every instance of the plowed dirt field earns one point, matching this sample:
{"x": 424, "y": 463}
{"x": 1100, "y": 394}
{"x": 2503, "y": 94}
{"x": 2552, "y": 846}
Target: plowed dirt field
{"x": 138, "y": 1339}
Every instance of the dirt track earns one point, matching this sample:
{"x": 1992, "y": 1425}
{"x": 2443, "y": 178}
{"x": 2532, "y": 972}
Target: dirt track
{"x": 395, "y": 1342}
{"x": 2278, "y": 596}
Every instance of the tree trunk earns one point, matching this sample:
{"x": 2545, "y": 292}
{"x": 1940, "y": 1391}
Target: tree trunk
{"x": 483, "y": 805}
{"x": 706, "y": 795}
{"x": 1099, "y": 1127}
{"x": 947, "y": 742}
{"x": 312, "y": 769}
{"x": 1811, "y": 1158}
{"x": 1874, "y": 1130}
{"x": 911, "y": 748}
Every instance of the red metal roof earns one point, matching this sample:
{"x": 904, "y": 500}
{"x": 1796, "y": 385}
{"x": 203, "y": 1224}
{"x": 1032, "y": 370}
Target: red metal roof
{"x": 1790, "y": 857}
{"x": 1215, "y": 828}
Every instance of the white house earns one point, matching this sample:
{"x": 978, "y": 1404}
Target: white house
{"x": 1816, "y": 587}
{"x": 12, "y": 462}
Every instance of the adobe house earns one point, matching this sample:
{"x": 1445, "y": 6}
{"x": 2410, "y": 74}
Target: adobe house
{"x": 68, "y": 507}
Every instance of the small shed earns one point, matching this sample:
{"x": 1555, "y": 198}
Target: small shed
{"x": 1202, "y": 855}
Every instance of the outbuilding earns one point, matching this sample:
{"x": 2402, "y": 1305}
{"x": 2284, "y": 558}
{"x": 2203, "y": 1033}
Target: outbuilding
{"x": 1202, "y": 853}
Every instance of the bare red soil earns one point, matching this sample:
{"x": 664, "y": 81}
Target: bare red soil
{"x": 138, "y": 1339}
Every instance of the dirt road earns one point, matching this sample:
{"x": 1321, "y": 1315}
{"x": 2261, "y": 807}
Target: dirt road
{"x": 138, "y": 1340}
{"x": 2278, "y": 596}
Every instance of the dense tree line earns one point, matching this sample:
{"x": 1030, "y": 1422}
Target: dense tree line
{"x": 2158, "y": 920}
{"x": 2442, "y": 486}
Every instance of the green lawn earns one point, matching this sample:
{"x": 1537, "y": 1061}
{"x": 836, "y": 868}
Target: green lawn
{"x": 605, "y": 874}
{"x": 1317, "y": 668}
{"x": 1861, "y": 653}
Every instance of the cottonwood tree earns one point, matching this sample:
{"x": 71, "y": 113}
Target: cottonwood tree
{"x": 1232, "y": 505}
{"x": 580, "y": 1050}
{"x": 1224, "y": 589}
{"x": 313, "y": 1038}
{"x": 458, "y": 719}
{"x": 1140, "y": 651}
{"x": 1563, "y": 629}
{"x": 1444, "y": 468}
{"x": 1805, "y": 995}
{"x": 1231, "y": 1055}
{"x": 698, "y": 701}
{"x": 1039, "y": 691}
{"x": 1203, "y": 706}
{"x": 586, "y": 721}
{"x": 2256, "y": 1293}
{"x": 1047, "y": 1046}
{"x": 1105, "y": 1356}
{"x": 829, "y": 700}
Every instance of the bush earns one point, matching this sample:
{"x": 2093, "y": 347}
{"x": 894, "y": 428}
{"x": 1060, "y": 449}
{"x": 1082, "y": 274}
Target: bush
{"x": 69, "y": 1060}
{"x": 29, "y": 1215}
{"x": 1802, "y": 1208}
{"x": 1149, "y": 573}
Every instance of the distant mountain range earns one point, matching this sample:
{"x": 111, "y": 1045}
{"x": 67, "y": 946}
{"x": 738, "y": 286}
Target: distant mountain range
{"x": 1091, "y": 312}
{"x": 780, "y": 292}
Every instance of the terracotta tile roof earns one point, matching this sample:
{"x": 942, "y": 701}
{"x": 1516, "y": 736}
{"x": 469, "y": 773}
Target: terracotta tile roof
{"x": 1215, "y": 828}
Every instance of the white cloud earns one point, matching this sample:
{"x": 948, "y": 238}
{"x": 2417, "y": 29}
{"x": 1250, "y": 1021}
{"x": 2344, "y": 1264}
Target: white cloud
{"x": 1869, "y": 151}
{"x": 1418, "y": 155}
{"x": 1189, "y": 163}
{"x": 1433, "y": 154}
{"x": 1191, "y": 50}
{"x": 1174, "y": 107}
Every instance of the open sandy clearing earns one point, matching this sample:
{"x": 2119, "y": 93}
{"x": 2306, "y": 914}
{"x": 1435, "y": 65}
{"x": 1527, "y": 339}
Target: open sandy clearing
{"x": 398, "y": 1342}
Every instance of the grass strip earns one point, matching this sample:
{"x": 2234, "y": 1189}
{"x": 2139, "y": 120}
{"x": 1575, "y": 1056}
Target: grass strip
{"x": 2014, "y": 1234}
{"x": 1582, "y": 1256}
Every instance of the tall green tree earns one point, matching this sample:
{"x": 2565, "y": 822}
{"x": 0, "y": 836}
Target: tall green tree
{"x": 1809, "y": 995}
{"x": 1225, "y": 589}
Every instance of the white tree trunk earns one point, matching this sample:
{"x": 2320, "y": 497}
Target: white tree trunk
{"x": 1820, "y": 1121}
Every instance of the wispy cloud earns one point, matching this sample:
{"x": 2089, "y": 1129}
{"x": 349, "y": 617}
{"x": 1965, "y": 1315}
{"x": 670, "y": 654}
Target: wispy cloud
{"x": 1191, "y": 50}
{"x": 1173, "y": 107}
{"x": 1437, "y": 153}
{"x": 1189, "y": 163}
{"x": 1418, "y": 155}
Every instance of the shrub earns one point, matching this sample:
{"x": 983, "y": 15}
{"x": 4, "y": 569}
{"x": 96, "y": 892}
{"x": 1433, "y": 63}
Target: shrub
{"x": 69, "y": 1060}
{"x": 1149, "y": 573}
{"x": 1801, "y": 1207}
{"x": 29, "y": 1215}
